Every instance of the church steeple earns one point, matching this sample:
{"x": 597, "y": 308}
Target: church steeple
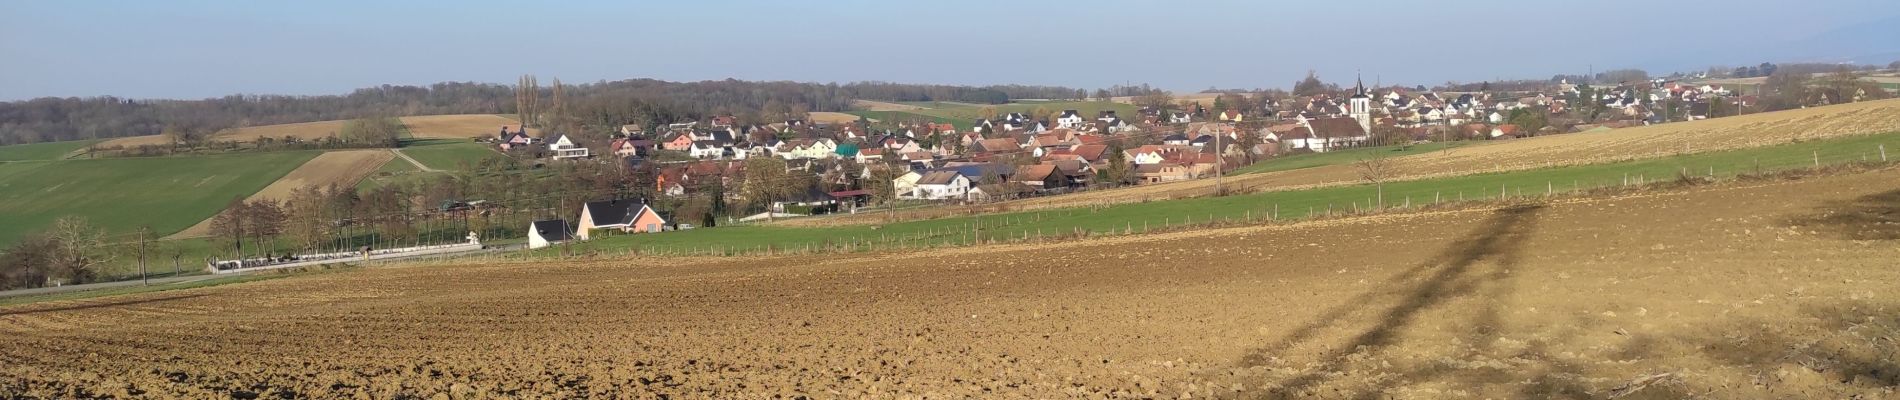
{"x": 1360, "y": 105}
{"x": 1360, "y": 86}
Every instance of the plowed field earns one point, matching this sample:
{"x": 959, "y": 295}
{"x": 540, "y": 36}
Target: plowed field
{"x": 305, "y": 131}
{"x": 1779, "y": 289}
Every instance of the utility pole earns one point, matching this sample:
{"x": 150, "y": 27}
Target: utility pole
{"x": 1220, "y": 188}
{"x": 144, "y": 236}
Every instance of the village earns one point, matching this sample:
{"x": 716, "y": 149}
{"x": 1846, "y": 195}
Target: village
{"x": 849, "y": 166}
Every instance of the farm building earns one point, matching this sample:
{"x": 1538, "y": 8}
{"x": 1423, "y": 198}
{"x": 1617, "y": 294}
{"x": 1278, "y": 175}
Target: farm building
{"x": 547, "y": 233}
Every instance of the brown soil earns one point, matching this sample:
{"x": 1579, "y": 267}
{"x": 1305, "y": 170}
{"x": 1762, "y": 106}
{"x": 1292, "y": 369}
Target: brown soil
{"x": 1773, "y": 289}
{"x": 344, "y": 167}
{"x": 461, "y": 126}
{"x": 1746, "y": 131}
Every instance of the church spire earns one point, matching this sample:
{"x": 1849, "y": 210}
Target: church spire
{"x": 1360, "y": 85}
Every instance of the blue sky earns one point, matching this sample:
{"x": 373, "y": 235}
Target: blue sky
{"x": 196, "y": 49}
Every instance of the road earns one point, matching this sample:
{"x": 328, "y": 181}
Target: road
{"x": 413, "y": 161}
{"x": 194, "y": 278}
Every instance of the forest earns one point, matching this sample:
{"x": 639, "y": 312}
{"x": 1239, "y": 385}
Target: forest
{"x": 604, "y": 103}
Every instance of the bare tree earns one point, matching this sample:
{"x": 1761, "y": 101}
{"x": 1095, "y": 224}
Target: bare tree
{"x": 1377, "y": 169}
{"x": 78, "y": 252}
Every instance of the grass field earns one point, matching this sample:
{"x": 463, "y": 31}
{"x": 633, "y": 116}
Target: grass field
{"x": 1145, "y": 215}
{"x": 42, "y": 151}
{"x": 120, "y": 194}
{"x": 394, "y": 171}
{"x": 449, "y": 154}
{"x": 302, "y": 130}
{"x": 340, "y": 167}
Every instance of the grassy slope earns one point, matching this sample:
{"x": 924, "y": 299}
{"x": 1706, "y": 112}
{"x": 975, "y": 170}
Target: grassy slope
{"x": 394, "y": 171}
{"x": 1310, "y": 160}
{"x": 119, "y": 194}
{"x": 448, "y": 154}
{"x": 1291, "y": 204}
{"x": 42, "y": 151}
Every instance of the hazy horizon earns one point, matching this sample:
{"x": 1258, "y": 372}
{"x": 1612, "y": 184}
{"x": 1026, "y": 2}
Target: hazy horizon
{"x": 200, "y": 49}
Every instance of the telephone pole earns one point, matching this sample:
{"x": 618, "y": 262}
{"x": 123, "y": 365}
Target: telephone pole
{"x": 1220, "y": 188}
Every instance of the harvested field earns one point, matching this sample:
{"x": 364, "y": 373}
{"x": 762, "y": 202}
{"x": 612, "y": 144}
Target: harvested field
{"x": 305, "y": 131}
{"x": 1784, "y": 291}
{"x": 833, "y": 118}
{"x": 868, "y": 105}
{"x": 344, "y": 168}
{"x": 461, "y": 126}
{"x": 1647, "y": 142}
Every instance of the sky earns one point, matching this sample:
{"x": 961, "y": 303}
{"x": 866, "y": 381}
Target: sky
{"x": 196, "y": 49}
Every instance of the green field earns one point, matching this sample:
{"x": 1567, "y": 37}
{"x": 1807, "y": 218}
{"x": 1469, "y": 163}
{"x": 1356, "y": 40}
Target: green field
{"x": 1309, "y": 160}
{"x": 449, "y": 154}
{"x": 120, "y": 194}
{"x": 1285, "y": 204}
{"x": 42, "y": 151}
{"x": 963, "y": 116}
{"x": 395, "y": 171}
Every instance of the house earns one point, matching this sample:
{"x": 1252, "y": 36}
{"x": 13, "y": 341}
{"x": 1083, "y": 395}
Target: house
{"x": 624, "y": 147}
{"x": 1326, "y": 134}
{"x": 1176, "y": 140}
{"x": 609, "y": 214}
{"x": 1179, "y": 117}
{"x": 1232, "y": 116}
{"x": 1070, "y": 119}
{"x": 941, "y": 185}
{"x": 1000, "y": 191}
{"x": 565, "y": 148}
{"x": 515, "y": 140}
{"x": 681, "y": 142}
{"x": 709, "y": 149}
{"x": 1161, "y": 172}
{"x": 1039, "y": 177}
{"x": 547, "y": 233}
{"x": 632, "y": 130}
{"x": 905, "y": 185}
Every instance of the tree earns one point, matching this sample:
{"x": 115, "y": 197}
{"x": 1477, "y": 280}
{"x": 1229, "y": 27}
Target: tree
{"x": 28, "y": 262}
{"x": 1117, "y": 170}
{"x": 1309, "y": 86}
{"x": 229, "y": 225}
{"x": 767, "y": 181}
{"x": 1042, "y": 112}
{"x": 1102, "y": 95}
{"x": 143, "y": 237}
{"x": 1528, "y": 120}
{"x": 78, "y": 252}
{"x": 988, "y": 112}
{"x": 265, "y": 220}
{"x": 1158, "y": 100}
{"x": 1377, "y": 169}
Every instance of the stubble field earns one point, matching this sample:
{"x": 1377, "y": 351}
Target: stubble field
{"x": 1758, "y": 289}
{"x": 461, "y": 126}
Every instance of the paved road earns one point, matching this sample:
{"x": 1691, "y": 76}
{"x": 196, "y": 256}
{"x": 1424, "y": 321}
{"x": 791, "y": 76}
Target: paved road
{"x": 108, "y": 285}
{"x": 195, "y": 278}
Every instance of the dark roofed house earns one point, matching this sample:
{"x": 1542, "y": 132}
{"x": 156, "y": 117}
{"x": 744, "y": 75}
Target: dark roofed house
{"x": 546, "y": 233}
{"x": 1039, "y": 176}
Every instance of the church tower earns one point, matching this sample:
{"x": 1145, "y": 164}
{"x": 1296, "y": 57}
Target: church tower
{"x": 1360, "y": 106}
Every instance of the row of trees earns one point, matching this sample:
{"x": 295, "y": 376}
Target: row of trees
{"x": 70, "y": 252}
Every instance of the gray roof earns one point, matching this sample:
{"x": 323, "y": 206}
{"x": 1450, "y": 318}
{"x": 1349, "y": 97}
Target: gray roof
{"x": 552, "y": 230}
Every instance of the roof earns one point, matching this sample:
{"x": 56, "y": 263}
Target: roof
{"x": 552, "y": 230}
{"x": 1036, "y": 172}
{"x": 1337, "y": 127}
{"x": 611, "y": 212}
{"x": 938, "y": 178}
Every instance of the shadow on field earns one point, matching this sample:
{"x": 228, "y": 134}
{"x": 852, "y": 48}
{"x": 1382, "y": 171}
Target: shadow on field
{"x": 105, "y": 304}
{"x": 1870, "y": 217}
{"x": 1447, "y": 276}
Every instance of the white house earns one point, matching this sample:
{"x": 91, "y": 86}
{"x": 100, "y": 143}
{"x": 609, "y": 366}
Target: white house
{"x": 565, "y": 148}
{"x": 941, "y": 185}
{"x": 707, "y": 149}
{"x": 1179, "y": 117}
{"x": 547, "y": 233}
{"x": 905, "y": 185}
{"x": 1070, "y": 119}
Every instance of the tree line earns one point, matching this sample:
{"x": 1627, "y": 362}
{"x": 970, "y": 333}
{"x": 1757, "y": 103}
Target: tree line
{"x": 604, "y": 103}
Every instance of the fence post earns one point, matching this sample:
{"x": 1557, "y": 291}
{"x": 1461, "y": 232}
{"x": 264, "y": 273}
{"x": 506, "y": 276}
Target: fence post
{"x": 1883, "y": 153}
{"x": 1817, "y": 158}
